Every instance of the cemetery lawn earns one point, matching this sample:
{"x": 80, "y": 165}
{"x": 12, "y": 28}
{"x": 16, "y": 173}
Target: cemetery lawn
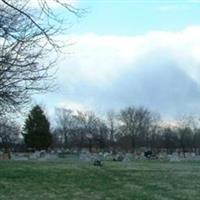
{"x": 75, "y": 180}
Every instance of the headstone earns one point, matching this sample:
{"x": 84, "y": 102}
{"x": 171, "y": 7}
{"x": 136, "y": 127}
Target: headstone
{"x": 108, "y": 156}
{"x": 19, "y": 157}
{"x": 42, "y": 154}
{"x": 174, "y": 157}
{"x": 35, "y": 155}
{"x": 85, "y": 157}
{"x": 128, "y": 157}
{"x": 119, "y": 157}
{"x": 98, "y": 163}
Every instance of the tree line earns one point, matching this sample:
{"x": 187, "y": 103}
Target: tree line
{"x": 26, "y": 39}
{"x": 129, "y": 130}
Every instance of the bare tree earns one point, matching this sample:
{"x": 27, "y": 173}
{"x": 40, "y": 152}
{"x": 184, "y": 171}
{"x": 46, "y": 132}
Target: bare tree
{"x": 187, "y": 128}
{"x": 170, "y": 139}
{"x": 26, "y": 38}
{"x": 196, "y": 141}
{"x": 89, "y": 125}
{"x": 66, "y": 123}
{"x": 112, "y": 127}
{"x": 102, "y": 134}
{"x": 137, "y": 122}
{"x": 9, "y": 134}
{"x": 185, "y": 138}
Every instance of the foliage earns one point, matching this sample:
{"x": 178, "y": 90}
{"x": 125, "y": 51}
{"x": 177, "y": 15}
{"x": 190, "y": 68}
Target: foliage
{"x": 37, "y": 130}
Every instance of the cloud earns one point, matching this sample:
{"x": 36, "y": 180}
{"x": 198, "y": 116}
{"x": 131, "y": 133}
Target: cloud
{"x": 72, "y": 105}
{"x": 160, "y": 70}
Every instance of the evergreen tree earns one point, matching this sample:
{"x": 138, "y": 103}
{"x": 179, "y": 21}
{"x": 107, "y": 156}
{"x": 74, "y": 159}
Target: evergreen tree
{"x": 37, "y": 130}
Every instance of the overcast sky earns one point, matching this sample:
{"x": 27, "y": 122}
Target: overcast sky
{"x": 126, "y": 52}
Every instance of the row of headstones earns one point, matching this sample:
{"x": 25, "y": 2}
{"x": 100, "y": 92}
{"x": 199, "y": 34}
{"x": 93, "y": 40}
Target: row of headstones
{"x": 184, "y": 157}
{"x": 41, "y": 155}
{"x": 86, "y": 156}
{"x": 106, "y": 157}
{"x": 125, "y": 157}
{"x": 37, "y": 155}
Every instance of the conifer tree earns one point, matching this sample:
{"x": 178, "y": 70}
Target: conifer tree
{"x": 37, "y": 130}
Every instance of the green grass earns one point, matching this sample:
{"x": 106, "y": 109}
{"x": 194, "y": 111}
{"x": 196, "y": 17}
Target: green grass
{"x": 118, "y": 181}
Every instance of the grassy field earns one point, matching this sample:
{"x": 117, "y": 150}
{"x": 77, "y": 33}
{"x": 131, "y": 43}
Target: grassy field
{"x": 118, "y": 181}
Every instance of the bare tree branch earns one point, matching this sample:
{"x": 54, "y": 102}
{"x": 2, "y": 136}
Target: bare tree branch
{"x": 26, "y": 40}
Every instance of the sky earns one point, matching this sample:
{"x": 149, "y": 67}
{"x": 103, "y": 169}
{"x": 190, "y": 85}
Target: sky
{"x": 130, "y": 53}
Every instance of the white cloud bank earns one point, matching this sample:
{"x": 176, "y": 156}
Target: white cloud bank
{"x": 160, "y": 70}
